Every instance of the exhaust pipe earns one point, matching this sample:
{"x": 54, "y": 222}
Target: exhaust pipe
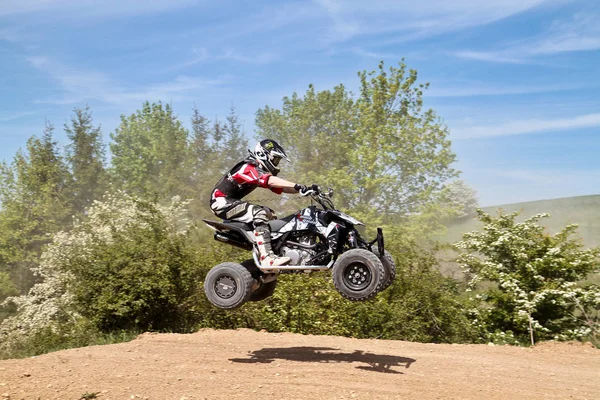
{"x": 219, "y": 237}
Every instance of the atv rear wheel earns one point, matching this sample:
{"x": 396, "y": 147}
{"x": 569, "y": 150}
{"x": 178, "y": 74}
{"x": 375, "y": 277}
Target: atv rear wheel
{"x": 389, "y": 267}
{"x": 358, "y": 274}
{"x": 228, "y": 285}
{"x": 265, "y": 290}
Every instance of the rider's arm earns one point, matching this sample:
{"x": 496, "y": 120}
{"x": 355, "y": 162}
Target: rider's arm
{"x": 278, "y": 183}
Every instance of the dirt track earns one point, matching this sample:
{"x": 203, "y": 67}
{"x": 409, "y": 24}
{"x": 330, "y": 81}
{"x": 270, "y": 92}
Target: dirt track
{"x": 245, "y": 364}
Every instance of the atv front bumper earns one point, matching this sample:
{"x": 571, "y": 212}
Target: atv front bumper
{"x": 379, "y": 241}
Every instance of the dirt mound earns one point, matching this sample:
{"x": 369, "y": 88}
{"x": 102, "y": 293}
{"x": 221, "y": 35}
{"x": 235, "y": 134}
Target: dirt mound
{"x": 244, "y": 364}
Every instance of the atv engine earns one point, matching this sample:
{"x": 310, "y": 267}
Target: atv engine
{"x": 300, "y": 252}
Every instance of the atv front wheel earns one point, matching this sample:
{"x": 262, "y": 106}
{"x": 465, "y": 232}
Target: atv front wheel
{"x": 358, "y": 274}
{"x": 389, "y": 267}
{"x": 228, "y": 285}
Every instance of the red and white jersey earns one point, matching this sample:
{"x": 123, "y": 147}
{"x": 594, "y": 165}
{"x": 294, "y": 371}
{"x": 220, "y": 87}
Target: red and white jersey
{"x": 241, "y": 180}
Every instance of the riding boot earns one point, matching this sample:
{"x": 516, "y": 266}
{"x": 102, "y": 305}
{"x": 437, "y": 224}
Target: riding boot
{"x": 268, "y": 259}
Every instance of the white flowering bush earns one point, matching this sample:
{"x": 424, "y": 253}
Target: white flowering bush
{"x": 538, "y": 292}
{"x": 127, "y": 265}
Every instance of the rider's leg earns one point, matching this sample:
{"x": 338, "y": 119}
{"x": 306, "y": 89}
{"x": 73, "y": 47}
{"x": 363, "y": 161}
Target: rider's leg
{"x": 259, "y": 217}
{"x": 262, "y": 232}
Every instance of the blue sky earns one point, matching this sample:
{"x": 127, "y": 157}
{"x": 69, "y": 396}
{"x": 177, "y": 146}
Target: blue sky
{"x": 516, "y": 81}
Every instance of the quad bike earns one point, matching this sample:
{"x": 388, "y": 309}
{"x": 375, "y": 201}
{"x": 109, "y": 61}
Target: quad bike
{"x": 314, "y": 239}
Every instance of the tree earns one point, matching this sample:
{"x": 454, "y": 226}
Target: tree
{"x": 200, "y": 148}
{"x": 35, "y": 204}
{"x": 149, "y": 153}
{"x": 538, "y": 292}
{"x": 7, "y": 287}
{"x": 461, "y": 197}
{"x": 213, "y": 149}
{"x": 228, "y": 145}
{"x": 384, "y": 154}
{"x": 236, "y": 144}
{"x": 85, "y": 158}
{"x": 200, "y": 158}
{"x": 317, "y": 132}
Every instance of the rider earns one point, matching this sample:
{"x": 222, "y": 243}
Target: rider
{"x": 259, "y": 169}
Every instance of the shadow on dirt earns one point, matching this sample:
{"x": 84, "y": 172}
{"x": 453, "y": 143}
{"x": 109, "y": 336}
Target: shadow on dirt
{"x": 375, "y": 362}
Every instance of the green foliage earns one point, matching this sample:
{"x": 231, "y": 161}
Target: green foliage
{"x": 7, "y": 288}
{"x": 307, "y": 127}
{"x": 35, "y": 204}
{"x": 62, "y": 337}
{"x": 200, "y": 153}
{"x": 127, "y": 265}
{"x": 133, "y": 261}
{"x": 211, "y": 152}
{"x": 149, "y": 152}
{"x": 420, "y": 306}
{"x": 234, "y": 146}
{"x": 85, "y": 158}
{"x": 153, "y": 155}
{"x": 460, "y": 197}
{"x": 135, "y": 269}
{"x": 538, "y": 293}
{"x": 384, "y": 154}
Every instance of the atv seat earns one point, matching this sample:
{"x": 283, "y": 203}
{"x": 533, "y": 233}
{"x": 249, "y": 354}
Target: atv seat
{"x": 277, "y": 224}
{"x": 242, "y": 225}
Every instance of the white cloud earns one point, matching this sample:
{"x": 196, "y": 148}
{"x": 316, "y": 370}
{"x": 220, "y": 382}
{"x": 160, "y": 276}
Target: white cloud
{"x": 410, "y": 19}
{"x": 359, "y": 51}
{"x": 79, "y": 86}
{"x": 259, "y": 58}
{"x": 507, "y": 57}
{"x": 227, "y": 53}
{"x": 526, "y": 126}
{"x": 12, "y": 34}
{"x": 90, "y": 7}
{"x": 469, "y": 89}
{"x": 203, "y": 55}
{"x": 5, "y": 116}
{"x": 580, "y": 33}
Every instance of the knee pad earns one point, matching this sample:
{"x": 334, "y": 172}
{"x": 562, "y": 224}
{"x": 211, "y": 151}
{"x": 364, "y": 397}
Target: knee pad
{"x": 260, "y": 216}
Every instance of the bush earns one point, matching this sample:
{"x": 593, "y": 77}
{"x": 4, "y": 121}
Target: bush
{"x": 539, "y": 290}
{"x": 129, "y": 266}
{"x": 126, "y": 266}
{"x": 421, "y": 305}
{"x": 62, "y": 337}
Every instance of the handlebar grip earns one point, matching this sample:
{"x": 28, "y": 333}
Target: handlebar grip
{"x": 313, "y": 189}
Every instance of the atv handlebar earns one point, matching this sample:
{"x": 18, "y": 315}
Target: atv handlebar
{"x": 311, "y": 190}
{"x": 321, "y": 197}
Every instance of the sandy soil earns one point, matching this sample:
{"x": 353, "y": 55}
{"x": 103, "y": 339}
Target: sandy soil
{"x": 244, "y": 364}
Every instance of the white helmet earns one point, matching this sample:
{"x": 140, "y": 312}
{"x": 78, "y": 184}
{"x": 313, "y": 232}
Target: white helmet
{"x": 269, "y": 153}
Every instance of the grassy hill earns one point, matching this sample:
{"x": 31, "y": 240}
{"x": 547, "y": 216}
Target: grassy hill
{"x": 581, "y": 210}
